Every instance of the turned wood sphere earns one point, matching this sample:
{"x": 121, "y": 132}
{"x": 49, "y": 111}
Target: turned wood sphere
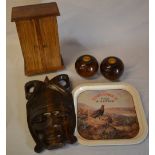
{"x": 112, "y": 68}
{"x": 86, "y": 66}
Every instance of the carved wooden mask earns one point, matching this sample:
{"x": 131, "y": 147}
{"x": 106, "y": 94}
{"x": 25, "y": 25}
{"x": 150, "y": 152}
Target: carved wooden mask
{"x": 50, "y": 112}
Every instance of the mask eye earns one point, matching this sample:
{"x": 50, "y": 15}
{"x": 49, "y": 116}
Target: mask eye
{"x": 56, "y": 113}
{"x": 47, "y": 114}
{"x": 41, "y": 118}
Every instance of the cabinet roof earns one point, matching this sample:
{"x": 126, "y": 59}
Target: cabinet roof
{"x": 34, "y": 11}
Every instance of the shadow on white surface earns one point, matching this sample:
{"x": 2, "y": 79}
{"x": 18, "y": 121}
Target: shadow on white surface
{"x": 70, "y": 49}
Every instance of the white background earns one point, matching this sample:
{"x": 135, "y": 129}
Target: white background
{"x": 100, "y": 28}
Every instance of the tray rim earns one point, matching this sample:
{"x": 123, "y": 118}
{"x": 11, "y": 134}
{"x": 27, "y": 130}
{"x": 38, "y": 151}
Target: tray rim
{"x": 143, "y": 132}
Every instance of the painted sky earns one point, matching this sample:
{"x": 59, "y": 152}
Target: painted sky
{"x": 109, "y": 98}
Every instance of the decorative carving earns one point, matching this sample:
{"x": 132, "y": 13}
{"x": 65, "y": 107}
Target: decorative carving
{"x": 50, "y": 112}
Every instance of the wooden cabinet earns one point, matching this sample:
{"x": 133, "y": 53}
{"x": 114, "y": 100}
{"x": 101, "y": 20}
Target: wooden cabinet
{"x": 38, "y": 34}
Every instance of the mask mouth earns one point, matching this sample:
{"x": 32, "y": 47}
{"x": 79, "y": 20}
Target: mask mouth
{"x": 51, "y": 138}
{"x": 53, "y": 141}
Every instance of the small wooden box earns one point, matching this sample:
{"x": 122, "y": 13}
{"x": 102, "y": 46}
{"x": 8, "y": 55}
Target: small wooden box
{"x": 38, "y": 34}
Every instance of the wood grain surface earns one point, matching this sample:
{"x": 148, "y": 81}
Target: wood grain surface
{"x": 34, "y": 11}
{"x": 40, "y": 45}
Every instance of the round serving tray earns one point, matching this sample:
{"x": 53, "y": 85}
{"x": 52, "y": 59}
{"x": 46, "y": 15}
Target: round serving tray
{"x": 109, "y": 114}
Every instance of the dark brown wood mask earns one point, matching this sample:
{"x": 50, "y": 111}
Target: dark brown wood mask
{"x": 50, "y": 112}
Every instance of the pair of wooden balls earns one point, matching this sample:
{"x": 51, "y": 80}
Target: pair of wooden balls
{"x": 111, "y": 67}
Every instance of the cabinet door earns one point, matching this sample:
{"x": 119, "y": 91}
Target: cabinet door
{"x": 40, "y": 45}
{"x": 50, "y": 40}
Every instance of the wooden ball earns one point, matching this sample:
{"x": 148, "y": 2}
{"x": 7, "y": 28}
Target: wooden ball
{"x": 112, "y": 68}
{"x": 86, "y": 66}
